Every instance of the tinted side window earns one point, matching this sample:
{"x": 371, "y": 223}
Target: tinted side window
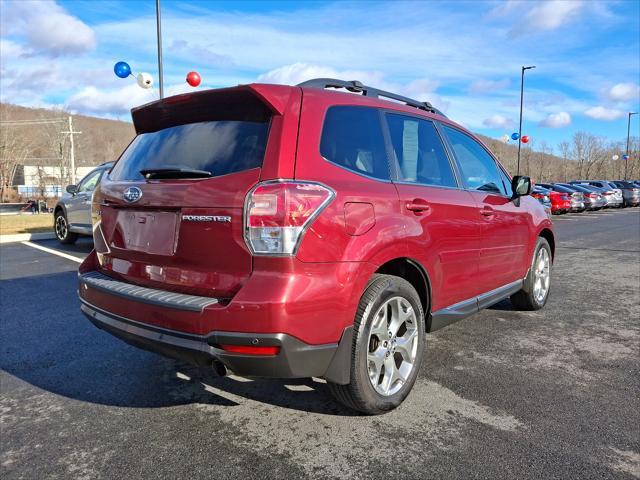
{"x": 419, "y": 151}
{"x": 352, "y": 138}
{"x": 478, "y": 168}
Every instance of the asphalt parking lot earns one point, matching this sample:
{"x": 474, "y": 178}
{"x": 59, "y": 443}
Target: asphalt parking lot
{"x": 503, "y": 394}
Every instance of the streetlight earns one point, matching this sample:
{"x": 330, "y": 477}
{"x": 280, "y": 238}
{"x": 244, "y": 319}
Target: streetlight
{"x": 626, "y": 162}
{"x": 521, "y": 100}
{"x": 159, "y": 36}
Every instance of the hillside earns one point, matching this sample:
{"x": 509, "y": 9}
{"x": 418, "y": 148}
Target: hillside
{"x": 101, "y": 139}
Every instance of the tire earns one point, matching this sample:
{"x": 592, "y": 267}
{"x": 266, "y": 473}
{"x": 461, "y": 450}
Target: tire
{"x": 61, "y": 229}
{"x": 532, "y": 296}
{"x": 390, "y": 295}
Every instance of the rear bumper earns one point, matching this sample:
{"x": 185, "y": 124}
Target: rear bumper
{"x": 295, "y": 358}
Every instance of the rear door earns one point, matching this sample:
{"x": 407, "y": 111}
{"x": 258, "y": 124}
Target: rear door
{"x": 443, "y": 228}
{"x": 170, "y": 213}
{"x": 505, "y": 225}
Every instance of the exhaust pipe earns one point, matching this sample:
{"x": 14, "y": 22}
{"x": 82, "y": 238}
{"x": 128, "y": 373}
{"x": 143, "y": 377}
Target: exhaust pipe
{"x": 219, "y": 369}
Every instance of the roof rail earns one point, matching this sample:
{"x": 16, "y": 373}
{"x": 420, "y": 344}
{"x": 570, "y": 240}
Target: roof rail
{"x": 357, "y": 87}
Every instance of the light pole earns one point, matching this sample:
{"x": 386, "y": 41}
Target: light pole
{"x": 626, "y": 162}
{"x": 159, "y": 33}
{"x": 521, "y": 101}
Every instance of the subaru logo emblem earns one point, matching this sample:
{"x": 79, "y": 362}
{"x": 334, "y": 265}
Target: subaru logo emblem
{"x": 132, "y": 194}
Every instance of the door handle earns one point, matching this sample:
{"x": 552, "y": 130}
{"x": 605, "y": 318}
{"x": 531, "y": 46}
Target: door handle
{"x": 417, "y": 205}
{"x": 487, "y": 212}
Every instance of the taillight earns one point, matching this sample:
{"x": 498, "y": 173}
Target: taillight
{"x": 277, "y": 214}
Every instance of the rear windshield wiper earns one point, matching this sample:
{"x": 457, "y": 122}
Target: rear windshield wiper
{"x": 155, "y": 173}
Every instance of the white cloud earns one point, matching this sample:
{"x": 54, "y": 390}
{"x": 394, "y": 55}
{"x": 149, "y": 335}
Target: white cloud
{"x": 47, "y": 28}
{"x": 300, "y": 72}
{"x": 91, "y": 100}
{"x": 622, "y": 92}
{"x": 498, "y": 121}
{"x": 200, "y": 53}
{"x": 556, "y": 120}
{"x": 603, "y": 113}
{"x": 540, "y": 16}
{"x": 116, "y": 102}
{"x": 422, "y": 89}
{"x": 482, "y": 86}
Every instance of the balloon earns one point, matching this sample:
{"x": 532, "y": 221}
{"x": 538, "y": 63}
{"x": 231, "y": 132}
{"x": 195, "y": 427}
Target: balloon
{"x": 515, "y": 136}
{"x": 145, "y": 80}
{"x": 525, "y": 139}
{"x": 625, "y": 157}
{"x": 122, "y": 69}
{"x": 615, "y": 157}
{"x": 504, "y": 138}
{"x": 193, "y": 79}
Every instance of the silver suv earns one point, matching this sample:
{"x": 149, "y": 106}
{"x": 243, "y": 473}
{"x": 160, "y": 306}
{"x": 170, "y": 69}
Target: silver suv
{"x": 72, "y": 215}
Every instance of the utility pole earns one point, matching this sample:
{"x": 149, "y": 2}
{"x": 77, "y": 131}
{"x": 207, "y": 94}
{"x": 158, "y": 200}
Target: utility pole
{"x": 159, "y": 33}
{"x": 626, "y": 161}
{"x": 521, "y": 102}
{"x": 72, "y": 155}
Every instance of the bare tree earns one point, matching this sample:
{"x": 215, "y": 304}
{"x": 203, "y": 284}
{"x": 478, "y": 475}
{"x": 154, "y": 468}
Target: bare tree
{"x": 13, "y": 150}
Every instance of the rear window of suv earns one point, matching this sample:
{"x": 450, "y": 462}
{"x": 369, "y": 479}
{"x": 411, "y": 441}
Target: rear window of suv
{"x": 219, "y": 147}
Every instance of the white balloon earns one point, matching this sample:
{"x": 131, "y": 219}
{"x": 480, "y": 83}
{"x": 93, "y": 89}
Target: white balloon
{"x": 504, "y": 138}
{"x": 145, "y": 80}
{"x": 615, "y": 157}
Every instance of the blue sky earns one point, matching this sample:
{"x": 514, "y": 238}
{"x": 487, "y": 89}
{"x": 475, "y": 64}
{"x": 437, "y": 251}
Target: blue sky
{"x": 464, "y": 57}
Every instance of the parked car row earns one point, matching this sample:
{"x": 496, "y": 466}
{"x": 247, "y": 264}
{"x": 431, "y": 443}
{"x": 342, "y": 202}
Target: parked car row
{"x": 583, "y": 195}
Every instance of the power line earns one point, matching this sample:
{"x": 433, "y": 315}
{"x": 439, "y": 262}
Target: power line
{"x": 44, "y": 121}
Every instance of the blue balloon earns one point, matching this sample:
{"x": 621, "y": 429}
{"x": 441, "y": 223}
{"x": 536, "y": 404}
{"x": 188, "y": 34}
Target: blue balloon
{"x": 625, "y": 157}
{"x": 122, "y": 69}
{"x": 514, "y": 136}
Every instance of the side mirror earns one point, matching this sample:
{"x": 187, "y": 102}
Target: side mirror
{"x": 72, "y": 189}
{"x": 521, "y": 186}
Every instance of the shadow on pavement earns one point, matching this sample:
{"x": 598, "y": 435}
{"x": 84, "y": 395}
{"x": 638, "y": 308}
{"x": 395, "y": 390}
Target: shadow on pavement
{"x": 48, "y": 343}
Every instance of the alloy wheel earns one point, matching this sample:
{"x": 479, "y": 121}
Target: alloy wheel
{"x": 393, "y": 346}
{"x": 61, "y": 227}
{"x": 541, "y": 275}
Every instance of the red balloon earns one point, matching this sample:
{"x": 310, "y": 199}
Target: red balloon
{"x": 193, "y": 79}
{"x": 525, "y": 139}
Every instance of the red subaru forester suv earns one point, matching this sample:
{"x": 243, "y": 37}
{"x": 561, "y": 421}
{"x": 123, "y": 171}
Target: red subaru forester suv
{"x": 317, "y": 230}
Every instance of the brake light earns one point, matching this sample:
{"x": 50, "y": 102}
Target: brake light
{"x": 278, "y": 213}
{"x": 251, "y": 349}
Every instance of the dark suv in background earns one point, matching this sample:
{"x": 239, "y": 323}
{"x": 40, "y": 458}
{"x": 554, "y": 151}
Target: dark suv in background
{"x": 317, "y": 230}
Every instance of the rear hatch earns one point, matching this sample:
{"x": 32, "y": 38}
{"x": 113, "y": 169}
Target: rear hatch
{"x": 169, "y": 214}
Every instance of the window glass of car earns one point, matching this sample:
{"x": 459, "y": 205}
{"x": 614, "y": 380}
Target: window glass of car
{"x": 352, "y": 138}
{"x": 419, "y": 151}
{"x": 219, "y": 147}
{"x": 506, "y": 182}
{"x": 88, "y": 183}
{"x": 478, "y": 168}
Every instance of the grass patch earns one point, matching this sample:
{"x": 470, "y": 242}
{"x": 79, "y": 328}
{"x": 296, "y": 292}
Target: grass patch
{"x": 10, "y": 224}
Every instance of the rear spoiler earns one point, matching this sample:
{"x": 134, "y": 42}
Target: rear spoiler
{"x": 254, "y": 102}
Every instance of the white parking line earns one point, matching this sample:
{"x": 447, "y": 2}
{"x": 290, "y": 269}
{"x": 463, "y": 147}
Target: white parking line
{"x": 52, "y": 251}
